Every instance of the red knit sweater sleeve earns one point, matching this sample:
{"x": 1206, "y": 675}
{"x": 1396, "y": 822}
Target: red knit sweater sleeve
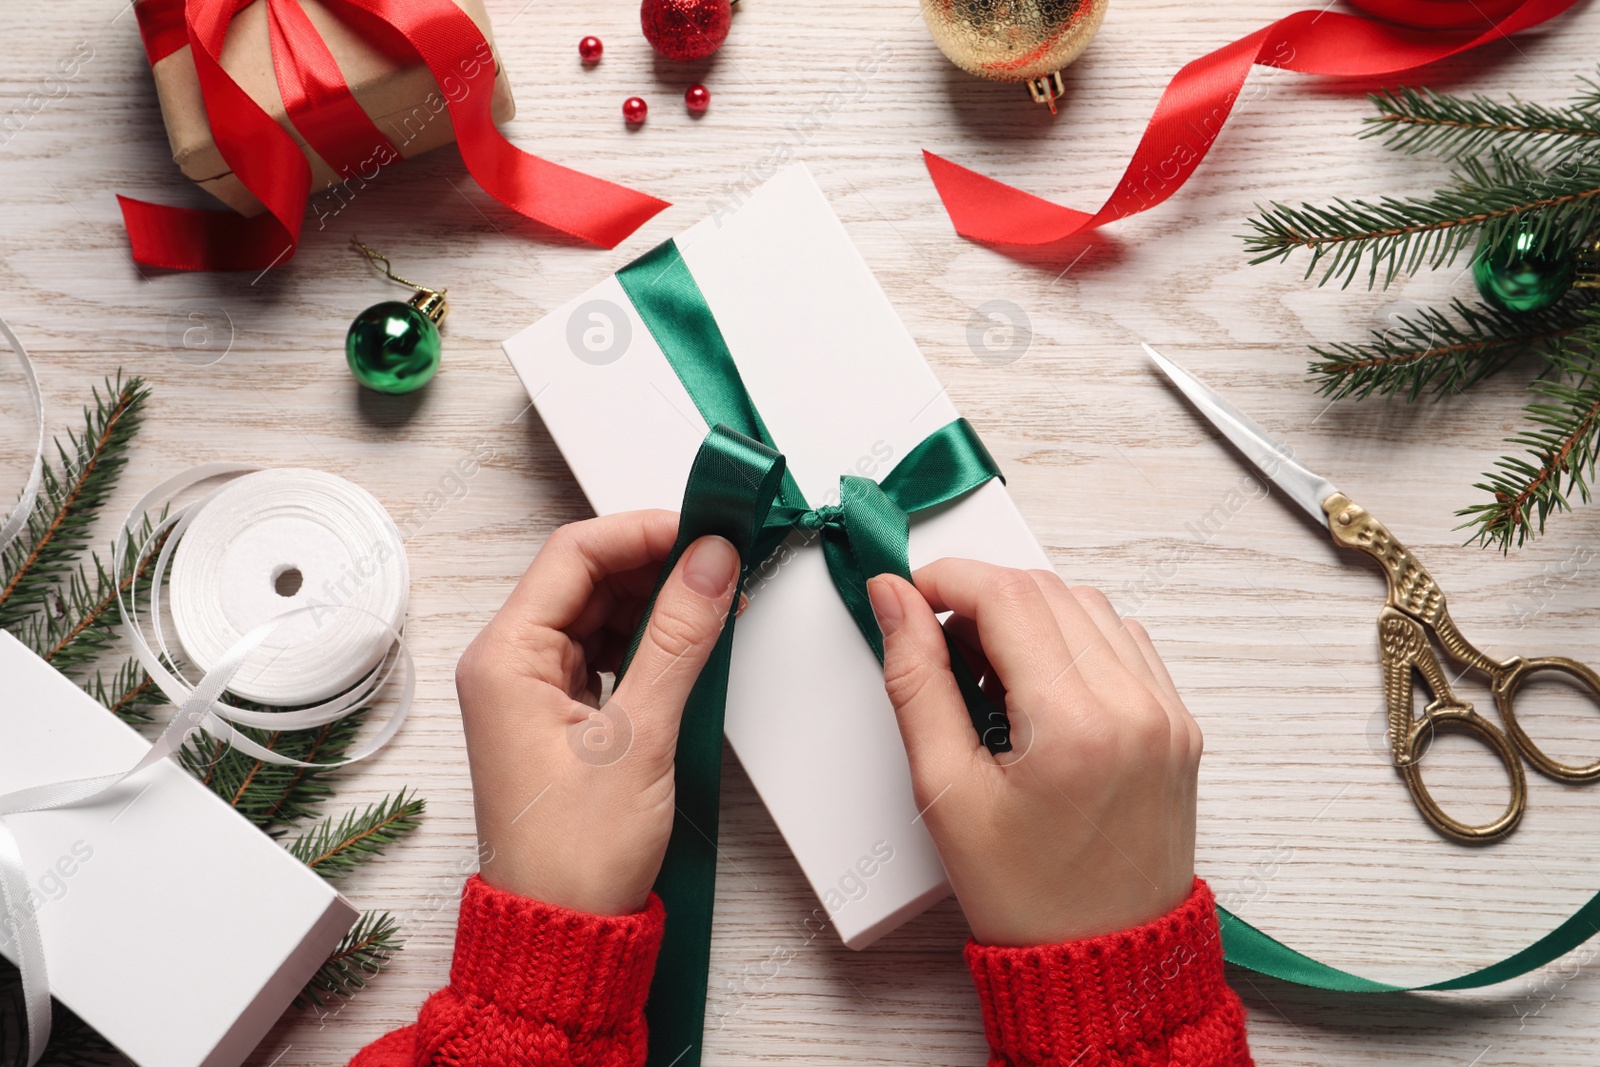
{"x": 533, "y": 985}
{"x": 1153, "y": 995}
{"x": 540, "y": 986}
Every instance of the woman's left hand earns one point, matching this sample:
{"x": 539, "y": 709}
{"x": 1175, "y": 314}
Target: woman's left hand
{"x": 574, "y": 800}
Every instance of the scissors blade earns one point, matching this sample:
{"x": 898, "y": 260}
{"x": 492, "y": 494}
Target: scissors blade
{"x": 1272, "y": 458}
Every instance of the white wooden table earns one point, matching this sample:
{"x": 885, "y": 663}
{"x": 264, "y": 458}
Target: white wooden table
{"x": 1269, "y": 633}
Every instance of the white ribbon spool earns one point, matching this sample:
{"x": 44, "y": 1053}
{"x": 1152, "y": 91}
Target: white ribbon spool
{"x": 275, "y": 540}
{"x": 286, "y": 501}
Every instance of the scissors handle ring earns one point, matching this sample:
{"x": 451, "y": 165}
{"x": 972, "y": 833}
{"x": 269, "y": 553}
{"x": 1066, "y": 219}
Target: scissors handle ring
{"x": 1465, "y": 720}
{"x": 1509, "y": 678}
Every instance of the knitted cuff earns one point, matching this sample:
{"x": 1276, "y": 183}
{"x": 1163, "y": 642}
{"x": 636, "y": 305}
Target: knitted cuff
{"x": 579, "y": 973}
{"x": 1152, "y": 994}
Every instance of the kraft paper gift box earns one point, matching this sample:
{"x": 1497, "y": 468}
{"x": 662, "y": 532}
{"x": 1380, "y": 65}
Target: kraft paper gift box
{"x": 401, "y": 97}
{"x": 843, "y": 389}
{"x": 171, "y": 925}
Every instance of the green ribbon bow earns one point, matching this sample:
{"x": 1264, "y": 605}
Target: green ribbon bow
{"x": 740, "y": 489}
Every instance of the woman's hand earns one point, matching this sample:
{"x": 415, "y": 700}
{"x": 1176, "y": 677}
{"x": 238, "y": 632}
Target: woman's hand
{"x": 574, "y": 800}
{"x": 1088, "y": 825}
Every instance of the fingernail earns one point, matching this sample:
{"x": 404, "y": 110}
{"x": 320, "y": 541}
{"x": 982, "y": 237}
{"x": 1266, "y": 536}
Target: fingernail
{"x": 885, "y": 605}
{"x": 711, "y": 567}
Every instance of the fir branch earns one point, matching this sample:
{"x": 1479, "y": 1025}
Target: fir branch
{"x": 363, "y": 952}
{"x": 74, "y": 486}
{"x": 271, "y": 795}
{"x": 1435, "y": 352}
{"x": 1484, "y": 204}
{"x": 1559, "y": 454}
{"x": 1421, "y": 120}
{"x": 334, "y": 849}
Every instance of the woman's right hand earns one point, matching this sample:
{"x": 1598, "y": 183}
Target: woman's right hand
{"x": 1088, "y": 826}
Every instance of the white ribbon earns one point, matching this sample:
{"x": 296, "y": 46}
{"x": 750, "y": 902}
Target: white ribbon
{"x": 200, "y": 705}
{"x": 17, "y": 519}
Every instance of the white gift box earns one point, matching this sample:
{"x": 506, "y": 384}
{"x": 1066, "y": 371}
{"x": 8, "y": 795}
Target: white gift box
{"x": 843, "y": 390}
{"x": 171, "y": 925}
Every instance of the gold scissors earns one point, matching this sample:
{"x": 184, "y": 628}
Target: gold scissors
{"x": 1413, "y": 613}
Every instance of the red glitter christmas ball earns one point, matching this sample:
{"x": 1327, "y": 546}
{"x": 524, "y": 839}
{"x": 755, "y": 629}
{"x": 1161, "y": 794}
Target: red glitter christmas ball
{"x": 686, "y": 29}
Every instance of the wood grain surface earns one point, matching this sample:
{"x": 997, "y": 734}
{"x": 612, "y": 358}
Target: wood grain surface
{"x": 1270, "y": 633}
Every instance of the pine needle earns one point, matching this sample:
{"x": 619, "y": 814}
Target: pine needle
{"x": 363, "y": 952}
{"x": 271, "y": 795}
{"x": 334, "y": 849}
{"x": 1454, "y": 127}
{"x": 1588, "y": 99}
{"x": 129, "y": 695}
{"x": 75, "y": 484}
{"x": 1559, "y": 455}
{"x": 1445, "y": 353}
{"x": 81, "y": 621}
{"x": 1485, "y": 204}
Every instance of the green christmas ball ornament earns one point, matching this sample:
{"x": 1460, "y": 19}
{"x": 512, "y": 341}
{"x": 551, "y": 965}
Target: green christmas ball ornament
{"x": 394, "y": 347}
{"x": 1516, "y": 276}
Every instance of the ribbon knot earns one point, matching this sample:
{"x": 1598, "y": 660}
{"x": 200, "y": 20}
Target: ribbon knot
{"x": 818, "y": 519}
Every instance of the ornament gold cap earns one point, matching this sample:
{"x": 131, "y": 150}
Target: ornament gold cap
{"x": 1047, "y": 90}
{"x": 431, "y": 303}
{"x": 1587, "y": 263}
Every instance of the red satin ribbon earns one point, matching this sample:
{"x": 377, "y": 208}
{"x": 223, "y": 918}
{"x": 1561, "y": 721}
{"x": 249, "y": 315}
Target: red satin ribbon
{"x": 319, "y": 103}
{"x": 271, "y": 165}
{"x": 1198, "y": 100}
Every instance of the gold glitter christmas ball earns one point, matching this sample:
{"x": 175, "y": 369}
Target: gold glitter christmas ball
{"x": 1015, "y": 40}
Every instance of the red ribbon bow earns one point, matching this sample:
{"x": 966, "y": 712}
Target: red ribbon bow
{"x": 1199, "y": 98}
{"x": 272, "y": 166}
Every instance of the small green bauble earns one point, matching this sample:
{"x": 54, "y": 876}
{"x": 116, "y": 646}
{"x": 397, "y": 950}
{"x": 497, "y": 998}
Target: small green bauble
{"x": 394, "y": 347}
{"x": 1515, "y": 277}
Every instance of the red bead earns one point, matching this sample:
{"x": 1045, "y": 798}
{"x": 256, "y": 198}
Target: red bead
{"x": 686, "y": 29}
{"x": 634, "y": 109}
{"x": 698, "y": 98}
{"x": 590, "y": 49}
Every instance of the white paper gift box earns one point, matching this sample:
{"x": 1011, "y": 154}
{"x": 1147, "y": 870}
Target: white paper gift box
{"x": 171, "y": 925}
{"x": 843, "y": 390}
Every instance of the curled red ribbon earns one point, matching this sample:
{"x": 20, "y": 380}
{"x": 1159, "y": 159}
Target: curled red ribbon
{"x": 272, "y": 166}
{"x": 1199, "y": 98}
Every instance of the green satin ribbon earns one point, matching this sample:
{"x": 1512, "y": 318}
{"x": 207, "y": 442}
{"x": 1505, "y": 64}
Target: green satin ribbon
{"x": 732, "y": 486}
{"x": 1245, "y": 946}
{"x": 739, "y": 488}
